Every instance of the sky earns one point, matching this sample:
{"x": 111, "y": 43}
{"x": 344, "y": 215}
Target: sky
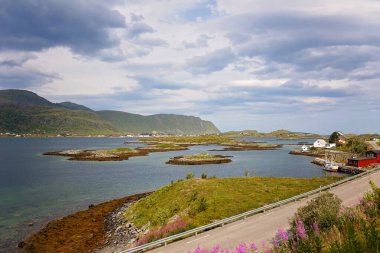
{"x": 310, "y": 66}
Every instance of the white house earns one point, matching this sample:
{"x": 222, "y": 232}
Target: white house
{"x": 305, "y": 148}
{"x": 319, "y": 143}
{"x": 376, "y": 139}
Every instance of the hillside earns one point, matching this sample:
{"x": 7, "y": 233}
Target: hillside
{"x": 23, "y": 111}
{"x": 52, "y": 120}
{"x": 162, "y": 123}
{"x": 280, "y": 134}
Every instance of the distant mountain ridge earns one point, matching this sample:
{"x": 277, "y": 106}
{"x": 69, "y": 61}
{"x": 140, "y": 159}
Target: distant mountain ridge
{"x": 22, "y": 111}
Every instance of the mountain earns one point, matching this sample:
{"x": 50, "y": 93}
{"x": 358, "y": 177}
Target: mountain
{"x": 162, "y": 123}
{"x": 73, "y": 106}
{"x": 22, "y": 98}
{"x": 23, "y": 111}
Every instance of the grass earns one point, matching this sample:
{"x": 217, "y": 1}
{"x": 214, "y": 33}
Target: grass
{"x": 117, "y": 151}
{"x": 165, "y": 146}
{"x": 209, "y": 139}
{"x": 201, "y": 201}
{"x": 200, "y": 156}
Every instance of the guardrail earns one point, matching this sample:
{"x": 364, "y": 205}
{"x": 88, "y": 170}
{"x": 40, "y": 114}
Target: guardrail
{"x": 244, "y": 215}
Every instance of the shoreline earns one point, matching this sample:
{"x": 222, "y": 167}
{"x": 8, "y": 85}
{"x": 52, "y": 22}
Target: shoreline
{"x": 83, "y": 231}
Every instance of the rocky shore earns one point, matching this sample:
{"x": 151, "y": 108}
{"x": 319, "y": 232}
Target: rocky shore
{"x": 100, "y": 228}
{"x": 307, "y": 153}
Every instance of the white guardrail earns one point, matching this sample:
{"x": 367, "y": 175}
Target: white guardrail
{"x": 244, "y": 215}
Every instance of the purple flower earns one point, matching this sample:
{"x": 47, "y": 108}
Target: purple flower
{"x": 198, "y": 250}
{"x": 242, "y": 248}
{"x": 253, "y": 247}
{"x": 215, "y": 249}
{"x": 301, "y": 229}
{"x": 283, "y": 235}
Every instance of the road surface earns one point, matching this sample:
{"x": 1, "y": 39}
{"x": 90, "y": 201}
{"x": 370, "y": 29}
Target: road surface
{"x": 262, "y": 227}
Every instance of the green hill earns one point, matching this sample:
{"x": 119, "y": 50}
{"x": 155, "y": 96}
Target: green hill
{"x": 52, "y": 120}
{"x": 73, "y": 106}
{"x": 162, "y": 123}
{"x": 23, "y": 111}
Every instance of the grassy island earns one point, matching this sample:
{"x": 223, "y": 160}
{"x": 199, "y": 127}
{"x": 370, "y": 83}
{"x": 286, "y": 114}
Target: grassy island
{"x": 197, "y": 159}
{"x": 162, "y": 147}
{"x": 117, "y": 154}
{"x": 230, "y": 143}
{"x": 192, "y": 203}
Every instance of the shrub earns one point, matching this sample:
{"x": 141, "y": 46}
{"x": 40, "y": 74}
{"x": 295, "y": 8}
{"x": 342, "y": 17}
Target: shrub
{"x": 189, "y": 176}
{"x": 202, "y": 206}
{"x": 323, "y": 210}
{"x": 204, "y": 176}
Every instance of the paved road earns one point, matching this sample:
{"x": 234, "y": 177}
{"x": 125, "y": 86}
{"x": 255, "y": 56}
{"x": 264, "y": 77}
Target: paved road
{"x": 262, "y": 227}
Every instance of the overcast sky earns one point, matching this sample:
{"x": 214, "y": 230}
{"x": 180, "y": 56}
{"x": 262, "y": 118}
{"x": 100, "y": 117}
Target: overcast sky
{"x": 309, "y": 66}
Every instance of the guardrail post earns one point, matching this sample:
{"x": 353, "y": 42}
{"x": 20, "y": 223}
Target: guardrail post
{"x": 166, "y": 243}
{"x": 196, "y": 233}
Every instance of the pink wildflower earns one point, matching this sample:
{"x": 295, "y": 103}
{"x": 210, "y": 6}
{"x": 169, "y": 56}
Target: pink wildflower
{"x": 253, "y": 247}
{"x": 215, "y": 249}
{"x": 301, "y": 229}
{"x": 242, "y": 248}
{"x": 283, "y": 235}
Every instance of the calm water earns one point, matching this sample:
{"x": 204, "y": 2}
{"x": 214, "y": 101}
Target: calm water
{"x": 36, "y": 188}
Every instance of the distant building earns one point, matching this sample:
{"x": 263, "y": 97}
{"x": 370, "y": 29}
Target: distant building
{"x": 319, "y": 143}
{"x": 372, "y": 157}
{"x": 376, "y": 139}
{"x": 305, "y": 148}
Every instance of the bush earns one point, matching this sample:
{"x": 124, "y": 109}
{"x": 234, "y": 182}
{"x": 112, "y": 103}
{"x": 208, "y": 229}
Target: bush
{"x": 202, "y": 206}
{"x": 204, "y": 176}
{"x": 189, "y": 176}
{"x": 323, "y": 210}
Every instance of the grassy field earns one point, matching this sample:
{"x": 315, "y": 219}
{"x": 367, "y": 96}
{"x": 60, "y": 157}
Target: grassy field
{"x": 200, "y": 201}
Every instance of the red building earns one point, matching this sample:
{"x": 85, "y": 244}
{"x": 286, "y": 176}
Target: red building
{"x": 372, "y": 157}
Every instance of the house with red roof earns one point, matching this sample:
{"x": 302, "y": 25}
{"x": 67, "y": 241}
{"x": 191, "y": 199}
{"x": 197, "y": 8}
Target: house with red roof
{"x": 372, "y": 157}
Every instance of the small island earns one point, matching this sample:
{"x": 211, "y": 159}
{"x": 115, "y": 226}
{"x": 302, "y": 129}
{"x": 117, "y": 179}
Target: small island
{"x": 162, "y": 147}
{"x": 198, "y": 159}
{"x": 228, "y": 144}
{"x": 118, "y": 154}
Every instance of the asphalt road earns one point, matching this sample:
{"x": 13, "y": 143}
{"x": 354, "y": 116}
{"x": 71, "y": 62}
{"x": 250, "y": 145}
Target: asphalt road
{"x": 262, "y": 227}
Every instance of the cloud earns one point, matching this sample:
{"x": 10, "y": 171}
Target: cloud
{"x": 15, "y": 77}
{"x": 137, "y": 27}
{"x": 308, "y": 42}
{"x": 202, "y": 41}
{"x": 35, "y": 25}
{"x": 211, "y": 62}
